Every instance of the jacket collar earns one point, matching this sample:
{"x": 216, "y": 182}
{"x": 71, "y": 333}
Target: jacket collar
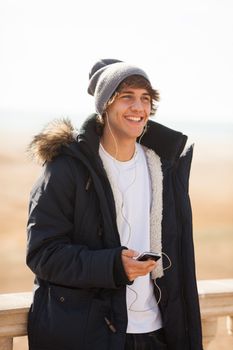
{"x": 59, "y": 137}
{"x": 166, "y": 142}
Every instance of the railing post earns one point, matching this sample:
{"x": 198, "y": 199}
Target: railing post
{"x": 6, "y": 343}
{"x": 13, "y": 317}
{"x": 216, "y": 300}
{"x": 209, "y": 330}
{"x": 230, "y": 325}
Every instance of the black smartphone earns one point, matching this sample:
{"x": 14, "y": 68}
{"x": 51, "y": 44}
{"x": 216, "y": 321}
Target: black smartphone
{"x": 148, "y": 256}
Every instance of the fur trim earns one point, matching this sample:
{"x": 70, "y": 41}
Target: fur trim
{"x": 47, "y": 144}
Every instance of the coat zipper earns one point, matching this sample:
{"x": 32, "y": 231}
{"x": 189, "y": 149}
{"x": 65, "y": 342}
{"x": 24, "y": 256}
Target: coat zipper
{"x": 110, "y": 325}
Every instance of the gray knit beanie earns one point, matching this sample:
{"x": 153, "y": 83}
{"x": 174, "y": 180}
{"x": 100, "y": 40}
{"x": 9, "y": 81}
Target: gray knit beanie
{"x": 105, "y": 76}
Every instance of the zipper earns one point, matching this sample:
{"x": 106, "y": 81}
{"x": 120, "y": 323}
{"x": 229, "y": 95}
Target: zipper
{"x": 88, "y": 183}
{"x": 110, "y": 325}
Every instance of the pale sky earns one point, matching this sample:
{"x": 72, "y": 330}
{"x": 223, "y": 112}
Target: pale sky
{"x": 47, "y": 48}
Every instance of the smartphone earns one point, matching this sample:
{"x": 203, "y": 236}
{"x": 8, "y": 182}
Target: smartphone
{"x": 148, "y": 256}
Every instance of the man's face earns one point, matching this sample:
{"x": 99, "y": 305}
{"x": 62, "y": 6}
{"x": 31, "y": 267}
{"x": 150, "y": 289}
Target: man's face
{"x": 128, "y": 114}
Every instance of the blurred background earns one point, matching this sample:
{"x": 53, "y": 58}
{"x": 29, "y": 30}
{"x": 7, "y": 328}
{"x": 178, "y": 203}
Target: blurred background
{"x": 186, "y": 46}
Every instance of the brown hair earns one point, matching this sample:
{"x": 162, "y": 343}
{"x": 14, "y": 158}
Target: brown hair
{"x": 133, "y": 81}
{"x": 137, "y": 81}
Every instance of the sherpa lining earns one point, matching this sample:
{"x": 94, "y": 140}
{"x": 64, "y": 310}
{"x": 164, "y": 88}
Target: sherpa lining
{"x": 155, "y": 169}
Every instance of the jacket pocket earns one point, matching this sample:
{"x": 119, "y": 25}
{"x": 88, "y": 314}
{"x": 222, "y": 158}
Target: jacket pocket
{"x": 34, "y": 314}
{"x": 60, "y": 318}
{"x": 99, "y": 325}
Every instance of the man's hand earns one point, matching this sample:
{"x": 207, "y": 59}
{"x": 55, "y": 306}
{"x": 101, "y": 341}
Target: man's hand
{"x": 134, "y": 268}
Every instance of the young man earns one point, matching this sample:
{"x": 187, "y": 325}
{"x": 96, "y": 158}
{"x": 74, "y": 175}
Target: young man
{"x": 116, "y": 189}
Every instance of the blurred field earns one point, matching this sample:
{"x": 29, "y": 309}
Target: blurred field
{"x": 211, "y": 189}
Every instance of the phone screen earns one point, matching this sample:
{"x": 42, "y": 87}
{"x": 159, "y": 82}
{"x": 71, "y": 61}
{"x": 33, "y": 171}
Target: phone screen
{"x": 148, "y": 256}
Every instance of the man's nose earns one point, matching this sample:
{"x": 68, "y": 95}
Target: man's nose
{"x": 137, "y": 105}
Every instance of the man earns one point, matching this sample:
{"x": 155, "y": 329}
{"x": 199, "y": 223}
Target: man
{"x": 116, "y": 189}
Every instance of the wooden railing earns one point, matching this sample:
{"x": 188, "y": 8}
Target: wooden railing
{"x": 13, "y": 317}
{"x": 216, "y": 300}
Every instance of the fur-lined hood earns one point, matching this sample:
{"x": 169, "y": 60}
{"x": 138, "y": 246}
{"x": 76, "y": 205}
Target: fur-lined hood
{"x": 47, "y": 144}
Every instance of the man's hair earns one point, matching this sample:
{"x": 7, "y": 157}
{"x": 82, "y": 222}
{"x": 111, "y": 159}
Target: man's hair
{"x": 137, "y": 81}
{"x": 133, "y": 81}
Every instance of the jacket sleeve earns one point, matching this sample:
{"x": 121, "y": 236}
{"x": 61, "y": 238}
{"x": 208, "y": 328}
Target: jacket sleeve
{"x": 189, "y": 286}
{"x": 50, "y": 253}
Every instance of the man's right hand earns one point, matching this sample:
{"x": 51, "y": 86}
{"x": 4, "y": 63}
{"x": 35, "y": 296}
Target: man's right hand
{"x": 134, "y": 268}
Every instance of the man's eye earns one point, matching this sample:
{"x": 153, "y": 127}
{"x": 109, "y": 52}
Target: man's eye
{"x": 146, "y": 98}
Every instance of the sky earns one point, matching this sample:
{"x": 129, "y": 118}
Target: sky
{"x": 47, "y": 48}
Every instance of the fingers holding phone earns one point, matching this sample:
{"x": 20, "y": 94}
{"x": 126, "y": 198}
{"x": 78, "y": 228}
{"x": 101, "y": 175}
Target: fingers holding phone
{"x": 135, "y": 267}
{"x": 148, "y": 256}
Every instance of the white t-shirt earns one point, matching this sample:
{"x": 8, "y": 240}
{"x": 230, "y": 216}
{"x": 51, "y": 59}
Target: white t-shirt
{"x": 131, "y": 186}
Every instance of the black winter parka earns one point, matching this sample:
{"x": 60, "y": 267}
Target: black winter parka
{"x": 74, "y": 247}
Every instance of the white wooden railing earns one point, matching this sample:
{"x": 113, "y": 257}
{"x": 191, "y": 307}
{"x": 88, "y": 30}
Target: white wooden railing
{"x": 216, "y": 300}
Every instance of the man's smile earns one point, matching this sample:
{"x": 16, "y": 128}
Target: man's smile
{"x": 134, "y": 119}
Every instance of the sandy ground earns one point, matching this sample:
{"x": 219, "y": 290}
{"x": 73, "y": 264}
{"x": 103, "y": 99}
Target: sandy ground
{"x": 211, "y": 189}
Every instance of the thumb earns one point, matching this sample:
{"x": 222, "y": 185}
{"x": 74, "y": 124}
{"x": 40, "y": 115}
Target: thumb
{"x": 130, "y": 253}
